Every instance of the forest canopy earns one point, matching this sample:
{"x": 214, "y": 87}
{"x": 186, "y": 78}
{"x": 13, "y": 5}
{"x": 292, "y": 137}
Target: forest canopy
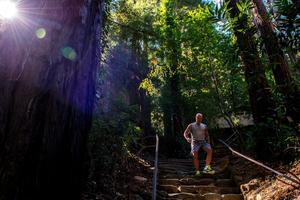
{"x": 237, "y": 63}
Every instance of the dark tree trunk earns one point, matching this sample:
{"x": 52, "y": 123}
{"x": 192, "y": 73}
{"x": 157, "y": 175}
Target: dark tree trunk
{"x": 278, "y": 62}
{"x": 176, "y": 103}
{"x": 140, "y": 70}
{"x": 172, "y": 120}
{"x": 146, "y": 106}
{"x": 47, "y": 92}
{"x": 261, "y": 101}
{"x": 145, "y": 109}
{"x": 171, "y": 106}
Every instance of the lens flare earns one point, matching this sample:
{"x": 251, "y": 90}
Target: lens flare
{"x": 8, "y": 9}
{"x": 69, "y": 53}
{"x": 41, "y": 33}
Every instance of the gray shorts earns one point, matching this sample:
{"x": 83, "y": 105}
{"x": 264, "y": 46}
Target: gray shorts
{"x": 196, "y": 145}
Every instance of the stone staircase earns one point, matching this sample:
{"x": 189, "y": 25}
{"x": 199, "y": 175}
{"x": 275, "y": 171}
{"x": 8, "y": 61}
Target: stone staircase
{"x": 176, "y": 179}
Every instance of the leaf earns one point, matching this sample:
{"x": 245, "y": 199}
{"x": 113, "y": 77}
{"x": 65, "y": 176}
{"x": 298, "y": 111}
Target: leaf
{"x": 239, "y": 6}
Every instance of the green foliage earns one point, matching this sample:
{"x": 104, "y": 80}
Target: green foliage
{"x": 110, "y": 145}
{"x": 189, "y": 64}
{"x": 120, "y": 122}
{"x": 203, "y": 51}
{"x": 113, "y": 136}
{"x": 287, "y": 23}
{"x": 185, "y": 50}
{"x": 243, "y": 22}
{"x": 271, "y": 145}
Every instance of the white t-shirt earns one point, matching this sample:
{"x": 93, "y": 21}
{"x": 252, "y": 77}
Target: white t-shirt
{"x": 198, "y": 131}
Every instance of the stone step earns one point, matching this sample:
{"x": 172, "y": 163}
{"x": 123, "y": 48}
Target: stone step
{"x": 183, "y": 168}
{"x": 196, "y": 181}
{"x": 180, "y": 162}
{"x": 197, "y": 189}
{"x": 217, "y": 163}
{"x": 177, "y": 179}
{"x": 218, "y": 168}
{"x": 216, "y": 156}
{"x": 183, "y": 195}
{"x": 201, "y": 181}
{"x": 204, "y": 189}
{"x": 189, "y": 164}
{"x": 232, "y": 197}
{"x": 212, "y": 196}
{"x": 208, "y": 196}
{"x": 190, "y": 174}
{"x": 174, "y": 174}
{"x": 174, "y": 171}
{"x": 229, "y": 190}
{"x": 168, "y": 188}
{"x": 224, "y": 183}
{"x": 169, "y": 181}
{"x": 215, "y": 196}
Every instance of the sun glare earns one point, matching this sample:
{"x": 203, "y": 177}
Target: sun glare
{"x": 8, "y": 9}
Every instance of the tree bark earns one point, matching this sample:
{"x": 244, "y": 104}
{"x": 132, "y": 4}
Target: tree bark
{"x": 278, "y": 62}
{"x": 261, "y": 101}
{"x": 145, "y": 109}
{"x": 140, "y": 70}
{"x": 47, "y": 92}
{"x": 173, "y": 120}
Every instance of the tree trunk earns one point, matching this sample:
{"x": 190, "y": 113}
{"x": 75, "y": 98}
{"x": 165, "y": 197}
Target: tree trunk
{"x": 47, "y": 92}
{"x": 140, "y": 70}
{"x": 173, "y": 120}
{"x": 145, "y": 109}
{"x": 146, "y": 106}
{"x": 278, "y": 62}
{"x": 176, "y": 102}
{"x": 261, "y": 101}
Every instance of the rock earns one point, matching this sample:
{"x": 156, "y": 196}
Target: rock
{"x": 253, "y": 184}
{"x": 259, "y": 197}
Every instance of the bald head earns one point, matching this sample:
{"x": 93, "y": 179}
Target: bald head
{"x": 199, "y": 118}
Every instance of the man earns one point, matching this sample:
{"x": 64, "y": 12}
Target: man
{"x": 199, "y": 139}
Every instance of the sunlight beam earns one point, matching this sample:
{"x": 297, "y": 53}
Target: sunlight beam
{"x": 8, "y": 9}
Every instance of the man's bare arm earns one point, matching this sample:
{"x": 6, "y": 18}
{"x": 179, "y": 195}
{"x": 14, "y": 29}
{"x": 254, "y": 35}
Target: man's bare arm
{"x": 187, "y": 132}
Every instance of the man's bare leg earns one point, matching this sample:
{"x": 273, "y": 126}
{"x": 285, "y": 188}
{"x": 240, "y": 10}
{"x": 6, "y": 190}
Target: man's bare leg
{"x": 196, "y": 160}
{"x": 208, "y": 156}
{"x": 207, "y": 168}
